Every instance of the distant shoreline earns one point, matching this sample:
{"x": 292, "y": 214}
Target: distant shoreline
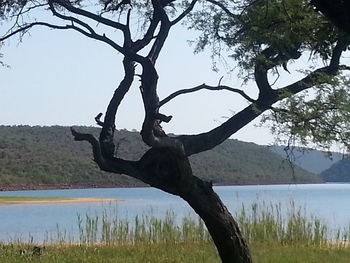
{"x": 57, "y": 201}
{"x": 20, "y": 187}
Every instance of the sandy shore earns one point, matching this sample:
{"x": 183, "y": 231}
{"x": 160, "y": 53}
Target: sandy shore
{"x": 59, "y": 201}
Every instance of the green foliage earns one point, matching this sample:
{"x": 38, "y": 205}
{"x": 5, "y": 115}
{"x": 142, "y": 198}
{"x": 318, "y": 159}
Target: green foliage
{"x": 272, "y": 32}
{"x": 50, "y": 156}
{"x": 323, "y": 119}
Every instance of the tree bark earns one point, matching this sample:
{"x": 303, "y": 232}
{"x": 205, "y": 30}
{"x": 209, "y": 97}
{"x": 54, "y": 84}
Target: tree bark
{"x": 224, "y": 230}
{"x": 170, "y": 171}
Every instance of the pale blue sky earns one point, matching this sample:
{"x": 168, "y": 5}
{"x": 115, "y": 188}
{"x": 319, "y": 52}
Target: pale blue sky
{"x": 64, "y": 78}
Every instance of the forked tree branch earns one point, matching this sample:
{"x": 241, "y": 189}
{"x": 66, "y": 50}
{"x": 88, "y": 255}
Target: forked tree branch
{"x": 71, "y": 19}
{"x": 268, "y": 59}
{"x": 222, "y": 6}
{"x": 17, "y": 16}
{"x": 115, "y": 165}
{"x": 184, "y": 13}
{"x": 317, "y": 77}
{"x": 91, "y": 33}
{"x": 28, "y": 9}
{"x": 165, "y": 25}
{"x": 205, "y": 141}
{"x": 108, "y": 125}
{"x": 26, "y": 27}
{"x": 149, "y": 35}
{"x": 126, "y": 50}
{"x": 207, "y": 87}
{"x": 151, "y": 132}
{"x": 82, "y": 12}
{"x": 96, "y": 149}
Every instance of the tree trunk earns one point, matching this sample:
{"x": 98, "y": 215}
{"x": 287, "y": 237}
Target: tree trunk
{"x": 224, "y": 230}
{"x": 171, "y": 172}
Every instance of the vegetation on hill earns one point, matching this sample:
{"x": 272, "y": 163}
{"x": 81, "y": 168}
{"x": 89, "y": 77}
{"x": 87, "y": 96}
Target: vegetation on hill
{"x": 247, "y": 163}
{"x": 339, "y": 172}
{"x": 50, "y": 156}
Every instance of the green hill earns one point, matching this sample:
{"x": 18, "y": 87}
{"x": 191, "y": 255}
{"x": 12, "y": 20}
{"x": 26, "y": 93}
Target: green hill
{"x": 50, "y": 156}
{"x": 247, "y": 163}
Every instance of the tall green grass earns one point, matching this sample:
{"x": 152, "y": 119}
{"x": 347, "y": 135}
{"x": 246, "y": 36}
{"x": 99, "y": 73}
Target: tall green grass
{"x": 259, "y": 222}
{"x": 143, "y": 229}
{"x": 268, "y": 222}
{"x": 276, "y": 233}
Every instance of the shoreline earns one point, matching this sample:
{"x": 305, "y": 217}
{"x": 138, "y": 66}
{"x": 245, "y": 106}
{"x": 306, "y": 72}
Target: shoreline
{"x": 58, "y": 201}
{"x": 20, "y": 187}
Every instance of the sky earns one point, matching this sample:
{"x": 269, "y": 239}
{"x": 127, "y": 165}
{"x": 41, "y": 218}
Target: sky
{"x": 64, "y": 78}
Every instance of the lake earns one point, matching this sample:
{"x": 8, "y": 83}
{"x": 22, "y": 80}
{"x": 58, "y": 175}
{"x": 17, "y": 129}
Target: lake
{"x": 329, "y": 202}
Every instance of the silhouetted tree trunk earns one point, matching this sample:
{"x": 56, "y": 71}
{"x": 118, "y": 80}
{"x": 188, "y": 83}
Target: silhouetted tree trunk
{"x": 224, "y": 230}
{"x": 171, "y": 171}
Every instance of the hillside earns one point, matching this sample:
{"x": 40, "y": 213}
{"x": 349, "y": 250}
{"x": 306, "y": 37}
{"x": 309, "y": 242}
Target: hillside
{"x": 339, "y": 172}
{"x": 247, "y": 163}
{"x": 313, "y": 161}
{"x": 50, "y": 156}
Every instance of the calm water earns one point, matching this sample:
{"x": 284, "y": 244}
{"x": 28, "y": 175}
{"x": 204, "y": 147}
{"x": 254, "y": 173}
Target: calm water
{"x": 329, "y": 202}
